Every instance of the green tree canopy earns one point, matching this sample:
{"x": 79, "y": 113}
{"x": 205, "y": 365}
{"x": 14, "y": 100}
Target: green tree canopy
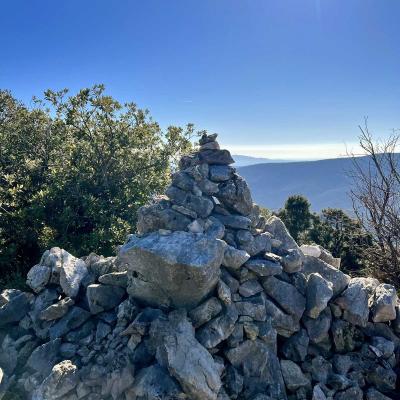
{"x": 75, "y": 169}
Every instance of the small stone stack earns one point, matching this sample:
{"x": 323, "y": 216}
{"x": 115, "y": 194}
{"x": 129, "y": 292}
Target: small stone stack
{"x": 207, "y": 301}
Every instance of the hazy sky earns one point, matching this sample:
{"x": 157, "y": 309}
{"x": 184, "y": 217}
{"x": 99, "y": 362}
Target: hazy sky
{"x": 282, "y": 78}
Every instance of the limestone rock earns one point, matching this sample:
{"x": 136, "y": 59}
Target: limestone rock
{"x": 293, "y": 376}
{"x": 296, "y": 347}
{"x": 44, "y": 357}
{"x": 178, "y": 269}
{"x": 220, "y": 173}
{"x": 58, "y": 310}
{"x": 235, "y": 195}
{"x": 75, "y": 317}
{"x": 319, "y": 292}
{"x": 73, "y": 271}
{"x": 185, "y": 358}
{"x": 384, "y": 305}
{"x": 38, "y": 277}
{"x": 15, "y": 309}
{"x": 234, "y": 258}
{"x": 115, "y": 279}
{"x": 263, "y": 267}
{"x": 205, "y": 312}
{"x": 103, "y": 297}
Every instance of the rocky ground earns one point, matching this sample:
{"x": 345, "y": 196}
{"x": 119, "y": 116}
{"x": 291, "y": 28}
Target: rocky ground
{"x": 209, "y": 300}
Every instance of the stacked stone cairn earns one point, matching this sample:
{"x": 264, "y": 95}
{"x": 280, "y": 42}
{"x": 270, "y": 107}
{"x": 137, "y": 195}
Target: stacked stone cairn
{"x": 208, "y": 300}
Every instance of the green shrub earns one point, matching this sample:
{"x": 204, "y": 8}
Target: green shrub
{"x": 74, "y": 170}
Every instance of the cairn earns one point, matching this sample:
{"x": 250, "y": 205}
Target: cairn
{"x": 208, "y": 300}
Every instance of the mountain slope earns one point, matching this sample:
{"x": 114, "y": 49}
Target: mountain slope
{"x": 325, "y": 183}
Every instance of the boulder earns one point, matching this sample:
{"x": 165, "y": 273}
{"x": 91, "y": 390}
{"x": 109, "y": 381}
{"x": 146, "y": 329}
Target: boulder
{"x": 338, "y": 279}
{"x": 44, "y": 357}
{"x": 234, "y": 258}
{"x": 57, "y": 310}
{"x": 215, "y": 156}
{"x": 178, "y": 269}
{"x": 205, "y": 312}
{"x": 38, "y": 277}
{"x": 16, "y": 308}
{"x": 220, "y": 173}
{"x": 277, "y": 228}
{"x": 73, "y": 271}
{"x": 296, "y": 347}
{"x": 103, "y": 297}
{"x": 74, "y": 318}
{"x": 354, "y": 301}
{"x": 185, "y": 358}
{"x": 318, "y": 293}
{"x": 384, "y": 303}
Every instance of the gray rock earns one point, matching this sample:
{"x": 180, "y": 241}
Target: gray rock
{"x": 218, "y": 329}
{"x": 103, "y": 297}
{"x": 318, "y": 293}
{"x": 15, "y": 309}
{"x": 354, "y": 393}
{"x": 384, "y": 379}
{"x": 277, "y": 228}
{"x": 253, "y": 307}
{"x": 205, "y": 312}
{"x": 342, "y": 363}
{"x": 217, "y": 157}
{"x": 72, "y": 272}
{"x": 157, "y": 216}
{"x": 285, "y": 324}
{"x": 286, "y": 295}
{"x": 296, "y": 347}
{"x": 38, "y": 277}
{"x": 115, "y": 279}
{"x": 318, "y": 393}
{"x": 57, "y": 310}
{"x": 214, "y": 228}
{"x": 62, "y": 380}
{"x": 343, "y": 336}
{"x": 261, "y": 368}
{"x": 224, "y": 293}
{"x": 44, "y": 357}
{"x": 250, "y": 288}
{"x": 384, "y": 305}
{"x": 75, "y": 317}
{"x": 220, "y": 173}
{"x": 208, "y": 187}
{"x": 355, "y": 299}
{"x": 202, "y": 206}
{"x": 253, "y": 244}
{"x": 234, "y": 258}
{"x": 154, "y": 383}
{"x": 178, "y": 269}
{"x": 230, "y": 280}
{"x": 235, "y": 195}
{"x": 102, "y": 331}
{"x": 292, "y": 261}
{"x": 185, "y": 358}
{"x": 386, "y": 347}
{"x": 320, "y": 369}
{"x": 184, "y": 211}
{"x": 293, "y": 376}
{"x": 68, "y": 350}
{"x": 338, "y": 279}
{"x": 234, "y": 221}
{"x": 318, "y": 328}
{"x": 373, "y": 394}
{"x": 263, "y": 268}
{"x": 233, "y": 382}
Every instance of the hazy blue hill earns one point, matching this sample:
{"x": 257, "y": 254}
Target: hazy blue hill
{"x": 241, "y": 161}
{"x": 325, "y": 183}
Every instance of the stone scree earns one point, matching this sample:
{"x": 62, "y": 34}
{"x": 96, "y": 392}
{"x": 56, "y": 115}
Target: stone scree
{"x": 209, "y": 300}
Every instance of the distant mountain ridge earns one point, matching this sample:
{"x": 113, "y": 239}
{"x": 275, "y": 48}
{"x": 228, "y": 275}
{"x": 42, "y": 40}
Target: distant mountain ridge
{"x": 325, "y": 183}
{"x": 241, "y": 161}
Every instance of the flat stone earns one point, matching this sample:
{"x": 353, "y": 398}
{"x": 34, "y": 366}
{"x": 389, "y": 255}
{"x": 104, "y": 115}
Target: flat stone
{"x": 179, "y": 269}
{"x": 115, "y": 279}
{"x": 286, "y": 295}
{"x": 205, "y": 312}
{"x": 75, "y": 317}
{"x": 250, "y": 288}
{"x": 234, "y": 221}
{"x": 217, "y": 157}
{"x": 263, "y": 268}
{"x": 220, "y": 173}
{"x": 384, "y": 304}
{"x": 185, "y": 358}
{"x": 234, "y": 258}
{"x": 319, "y": 292}
{"x": 57, "y": 310}
{"x": 253, "y": 307}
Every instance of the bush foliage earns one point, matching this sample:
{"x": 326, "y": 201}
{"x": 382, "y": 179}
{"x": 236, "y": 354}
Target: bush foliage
{"x": 74, "y": 170}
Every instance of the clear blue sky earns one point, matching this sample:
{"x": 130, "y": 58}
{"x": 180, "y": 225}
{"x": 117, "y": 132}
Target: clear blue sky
{"x": 274, "y": 78}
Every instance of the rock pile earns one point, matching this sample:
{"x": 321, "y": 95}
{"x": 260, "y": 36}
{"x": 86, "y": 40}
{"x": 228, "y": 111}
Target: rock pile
{"x": 209, "y": 300}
